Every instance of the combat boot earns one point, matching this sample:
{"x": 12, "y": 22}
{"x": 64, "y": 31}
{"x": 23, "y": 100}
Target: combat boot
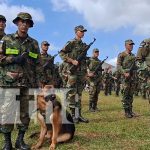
{"x": 81, "y": 119}
{"x": 132, "y": 113}
{"x": 95, "y": 107}
{"x": 91, "y": 109}
{"x": 75, "y": 119}
{"x": 8, "y": 144}
{"x": 20, "y": 144}
{"x": 127, "y": 113}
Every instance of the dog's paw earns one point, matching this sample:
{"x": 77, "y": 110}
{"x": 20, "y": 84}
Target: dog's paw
{"x": 52, "y": 147}
{"x": 36, "y": 147}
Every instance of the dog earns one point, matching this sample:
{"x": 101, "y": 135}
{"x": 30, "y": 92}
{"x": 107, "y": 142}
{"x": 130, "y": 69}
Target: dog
{"x": 55, "y": 129}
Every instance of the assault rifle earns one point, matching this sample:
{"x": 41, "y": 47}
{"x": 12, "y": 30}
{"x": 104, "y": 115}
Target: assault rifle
{"x": 99, "y": 67}
{"x": 81, "y": 56}
{"x": 48, "y": 63}
{"x": 133, "y": 67}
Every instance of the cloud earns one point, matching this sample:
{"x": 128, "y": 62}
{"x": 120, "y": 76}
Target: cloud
{"x": 11, "y": 11}
{"x": 110, "y": 15}
{"x": 112, "y": 61}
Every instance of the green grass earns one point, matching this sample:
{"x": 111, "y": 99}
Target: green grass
{"x": 107, "y": 129}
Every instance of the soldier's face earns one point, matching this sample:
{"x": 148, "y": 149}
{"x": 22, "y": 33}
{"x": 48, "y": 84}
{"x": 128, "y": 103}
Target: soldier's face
{"x": 23, "y": 25}
{"x": 96, "y": 54}
{"x": 2, "y": 25}
{"x": 129, "y": 47}
{"x": 45, "y": 47}
{"x": 80, "y": 34}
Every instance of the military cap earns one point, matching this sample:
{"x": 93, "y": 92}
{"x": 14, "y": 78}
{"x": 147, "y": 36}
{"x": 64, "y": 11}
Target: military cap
{"x": 80, "y": 28}
{"x": 2, "y": 18}
{"x": 24, "y": 16}
{"x": 95, "y": 50}
{"x": 45, "y": 43}
{"x": 129, "y": 41}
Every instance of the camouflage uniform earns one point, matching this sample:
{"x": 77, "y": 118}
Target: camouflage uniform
{"x": 19, "y": 62}
{"x": 63, "y": 73}
{"x": 2, "y": 34}
{"x": 117, "y": 76}
{"x": 49, "y": 69}
{"x": 94, "y": 82}
{"x": 143, "y": 55}
{"x": 107, "y": 76}
{"x": 124, "y": 62}
{"x": 76, "y": 79}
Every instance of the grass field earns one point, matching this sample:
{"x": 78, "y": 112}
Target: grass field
{"x": 107, "y": 129}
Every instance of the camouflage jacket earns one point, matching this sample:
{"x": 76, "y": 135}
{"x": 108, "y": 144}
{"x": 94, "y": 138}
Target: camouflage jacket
{"x": 144, "y": 52}
{"x": 72, "y": 50}
{"x": 92, "y": 63}
{"x": 49, "y": 71}
{"x": 30, "y": 73}
{"x": 1, "y": 36}
{"x": 125, "y": 61}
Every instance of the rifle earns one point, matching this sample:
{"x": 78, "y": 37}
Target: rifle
{"x": 48, "y": 63}
{"x": 99, "y": 67}
{"x": 133, "y": 66}
{"x": 81, "y": 56}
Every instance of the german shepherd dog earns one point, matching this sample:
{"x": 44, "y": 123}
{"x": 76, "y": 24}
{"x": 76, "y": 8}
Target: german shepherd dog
{"x": 55, "y": 129}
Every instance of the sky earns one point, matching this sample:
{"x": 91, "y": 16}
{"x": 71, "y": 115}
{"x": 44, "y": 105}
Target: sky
{"x": 111, "y": 22}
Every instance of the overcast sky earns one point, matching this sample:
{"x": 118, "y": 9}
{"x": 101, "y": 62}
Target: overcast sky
{"x": 111, "y": 22}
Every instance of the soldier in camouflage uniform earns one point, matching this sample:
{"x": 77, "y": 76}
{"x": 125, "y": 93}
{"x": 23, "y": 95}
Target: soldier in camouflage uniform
{"x": 19, "y": 62}
{"x": 76, "y": 79}
{"x": 124, "y": 61}
{"x": 47, "y": 62}
{"x": 143, "y": 56}
{"x": 94, "y": 80}
{"x": 2, "y": 33}
{"x": 107, "y": 76}
{"x": 2, "y": 26}
{"x": 117, "y": 78}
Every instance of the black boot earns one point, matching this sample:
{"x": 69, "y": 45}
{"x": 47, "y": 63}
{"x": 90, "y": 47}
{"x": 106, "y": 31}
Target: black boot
{"x": 91, "y": 109}
{"x": 20, "y": 142}
{"x": 8, "y": 144}
{"x": 132, "y": 113}
{"x": 127, "y": 113}
{"x": 81, "y": 119}
{"x": 75, "y": 119}
{"x": 95, "y": 107}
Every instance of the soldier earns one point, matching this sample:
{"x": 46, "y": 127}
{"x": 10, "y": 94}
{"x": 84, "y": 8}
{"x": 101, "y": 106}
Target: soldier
{"x": 143, "y": 56}
{"x": 2, "y": 33}
{"x": 2, "y": 26}
{"x": 76, "y": 79}
{"x": 117, "y": 79}
{"x": 124, "y": 61}
{"x": 107, "y": 75}
{"x": 20, "y": 61}
{"x": 47, "y": 62}
{"x": 94, "y": 80}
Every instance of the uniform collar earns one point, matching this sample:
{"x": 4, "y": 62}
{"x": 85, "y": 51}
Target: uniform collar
{"x": 27, "y": 39}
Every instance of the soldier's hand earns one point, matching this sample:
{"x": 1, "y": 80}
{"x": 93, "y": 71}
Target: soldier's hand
{"x": 126, "y": 75}
{"x": 75, "y": 62}
{"x": 91, "y": 74}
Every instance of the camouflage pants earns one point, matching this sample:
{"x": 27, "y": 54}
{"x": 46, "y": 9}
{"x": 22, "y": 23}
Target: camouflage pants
{"x": 76, "y": 85}
{"x": 127, "y": 93}
{"x": 108, "y": 88}
{"x": 14, "y": 111}
{"x": 94, "y": 92}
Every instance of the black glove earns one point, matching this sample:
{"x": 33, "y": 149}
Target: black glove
{"x": 18, "y": 60}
